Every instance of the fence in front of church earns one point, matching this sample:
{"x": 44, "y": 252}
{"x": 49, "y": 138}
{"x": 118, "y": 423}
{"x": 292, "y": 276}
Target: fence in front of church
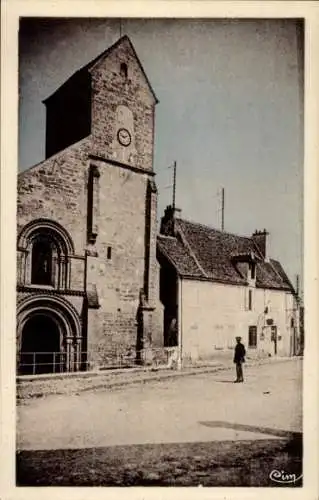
{"x": 35, "y": 363}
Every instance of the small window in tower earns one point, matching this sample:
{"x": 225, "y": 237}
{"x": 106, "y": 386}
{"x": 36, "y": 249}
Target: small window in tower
{"x": 109, "y": 253}
{"x": 123, "y": 70}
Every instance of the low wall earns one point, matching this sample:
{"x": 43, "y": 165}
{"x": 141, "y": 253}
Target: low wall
{"x": 74, "y": 383}
{"x": 150, "y": 360}
{"x": 224, "y": 356}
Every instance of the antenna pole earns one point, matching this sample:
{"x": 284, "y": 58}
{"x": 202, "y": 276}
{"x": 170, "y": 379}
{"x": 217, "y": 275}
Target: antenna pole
{"x": 174, "y": 186}
{"x": 223, "y": 209}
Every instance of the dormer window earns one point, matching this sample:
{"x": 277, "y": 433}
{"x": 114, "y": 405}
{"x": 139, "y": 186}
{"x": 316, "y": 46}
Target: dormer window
{"x": 123, "y": 70}
{"x": 245, "y": 264}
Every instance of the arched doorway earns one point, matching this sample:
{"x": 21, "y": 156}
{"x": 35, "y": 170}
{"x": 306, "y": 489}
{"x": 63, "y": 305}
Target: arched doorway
{"x": 41, "y": 346}
{"x": 49, "y": 336}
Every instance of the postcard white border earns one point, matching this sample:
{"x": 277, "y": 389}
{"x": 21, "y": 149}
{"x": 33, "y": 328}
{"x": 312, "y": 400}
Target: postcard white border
{"x": 11, "y": 10}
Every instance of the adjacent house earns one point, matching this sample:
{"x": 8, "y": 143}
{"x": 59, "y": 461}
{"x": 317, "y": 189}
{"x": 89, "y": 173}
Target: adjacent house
{"x": 215, "y": 286}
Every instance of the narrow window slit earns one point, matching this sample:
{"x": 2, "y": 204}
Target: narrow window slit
{"x": 123, "y": 70}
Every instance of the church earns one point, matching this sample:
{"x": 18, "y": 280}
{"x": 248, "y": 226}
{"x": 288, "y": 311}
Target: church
{"x": 95, "y": 280}
{"x": 87, "y": 274}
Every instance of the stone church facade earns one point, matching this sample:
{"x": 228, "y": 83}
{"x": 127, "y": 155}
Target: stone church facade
{"x": 87, "y": 275}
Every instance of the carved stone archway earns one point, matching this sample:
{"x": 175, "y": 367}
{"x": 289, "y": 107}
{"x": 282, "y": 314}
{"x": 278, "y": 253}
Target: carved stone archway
{"x": 48, "y": 322}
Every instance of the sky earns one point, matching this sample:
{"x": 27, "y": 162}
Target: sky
{"x": 230, "y": 113}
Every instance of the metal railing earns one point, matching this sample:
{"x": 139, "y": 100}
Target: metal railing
{"x": 35, "y": 363}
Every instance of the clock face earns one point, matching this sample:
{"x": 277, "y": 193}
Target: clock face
{"x": 124, "y": 137}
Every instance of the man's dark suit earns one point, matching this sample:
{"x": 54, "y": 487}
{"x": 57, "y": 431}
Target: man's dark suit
{"x": 239, "y": 359}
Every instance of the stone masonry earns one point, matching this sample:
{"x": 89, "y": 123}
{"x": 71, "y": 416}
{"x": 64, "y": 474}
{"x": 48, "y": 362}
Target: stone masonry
{"x": 101, "y": 192}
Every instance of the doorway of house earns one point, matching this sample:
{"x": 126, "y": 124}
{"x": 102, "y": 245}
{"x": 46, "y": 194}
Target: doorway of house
{"x": 268, "y": 340}
{"x": 40, "y": 346}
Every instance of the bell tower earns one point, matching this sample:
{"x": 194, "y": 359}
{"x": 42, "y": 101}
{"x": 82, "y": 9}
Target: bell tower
{"x": 122, "y": 109}
{"x": 106, "y": 110}
{"x": 110, "y": 100}
{"x": 121, "y": 151}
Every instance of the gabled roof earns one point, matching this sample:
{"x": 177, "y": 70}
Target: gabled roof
{"x": 202, "y": 252}
{"x": 89, "y": 66}
{"x": 178, "y": 255}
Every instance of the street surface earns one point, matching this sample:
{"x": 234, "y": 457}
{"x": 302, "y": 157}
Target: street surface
{"x": 187, "y": 414}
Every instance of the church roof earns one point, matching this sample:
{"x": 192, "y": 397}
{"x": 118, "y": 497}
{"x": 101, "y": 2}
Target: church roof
{"x": 90, "y": 65}
{"x": 201, "y": 252}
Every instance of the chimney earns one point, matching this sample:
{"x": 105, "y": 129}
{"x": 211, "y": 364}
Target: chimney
{"x": 168, "y": 220}
{"x": 261, "y": 241}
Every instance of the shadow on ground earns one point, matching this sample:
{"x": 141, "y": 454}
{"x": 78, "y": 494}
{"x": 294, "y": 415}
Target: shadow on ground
{"x": 222, "y": 463}
{"x": 295, "y": 436}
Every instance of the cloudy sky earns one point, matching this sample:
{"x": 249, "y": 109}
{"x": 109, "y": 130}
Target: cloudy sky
{"x": 230, "y": 113}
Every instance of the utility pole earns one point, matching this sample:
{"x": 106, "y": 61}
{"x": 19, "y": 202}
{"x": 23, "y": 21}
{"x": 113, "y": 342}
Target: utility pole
{"x": 223, "y": 209}
{"x": 297, "y": 289}
{"x": 174, "y": 185}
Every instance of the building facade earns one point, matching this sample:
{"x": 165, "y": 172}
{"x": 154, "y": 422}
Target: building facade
{"x": 87, "y": 275}
{"x": 94, "y": 281}
{"x": 216, "y": 286}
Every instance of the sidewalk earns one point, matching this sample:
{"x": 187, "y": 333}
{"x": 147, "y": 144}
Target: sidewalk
{"x": 74, "y": 383}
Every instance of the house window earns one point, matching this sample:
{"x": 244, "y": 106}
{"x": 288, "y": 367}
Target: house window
{"x": 250, "y": 300}
{"x": 252, "y": 336}
{"x": 109, "y": 253}
{"x": 123, "y": 70}
{"x": 252, "y": 268}
{"x": 41, "y": 268}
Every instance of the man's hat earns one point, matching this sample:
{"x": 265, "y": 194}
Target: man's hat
{"x": 238, "y": 338}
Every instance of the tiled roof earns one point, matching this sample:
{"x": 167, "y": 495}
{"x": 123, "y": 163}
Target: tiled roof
{"x": 202, "y": 252}
{"x": 271, "y": 275}
{"x": 179, "y": 256}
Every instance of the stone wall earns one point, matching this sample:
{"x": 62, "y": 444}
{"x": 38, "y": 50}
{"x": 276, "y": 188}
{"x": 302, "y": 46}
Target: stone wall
{"x": 56, "y": 189}
{"x": 117, "y": 262}
{"x": 111, "y": 90}
{"x": 111, "y": 221}
{"x": 214, "y": 314}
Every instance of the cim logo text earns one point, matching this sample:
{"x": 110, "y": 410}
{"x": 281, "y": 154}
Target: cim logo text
{"x": 280, "y": 476}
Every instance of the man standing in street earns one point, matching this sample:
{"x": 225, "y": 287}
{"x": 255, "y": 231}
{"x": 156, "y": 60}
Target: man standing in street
{"x": 239, "y": 359}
